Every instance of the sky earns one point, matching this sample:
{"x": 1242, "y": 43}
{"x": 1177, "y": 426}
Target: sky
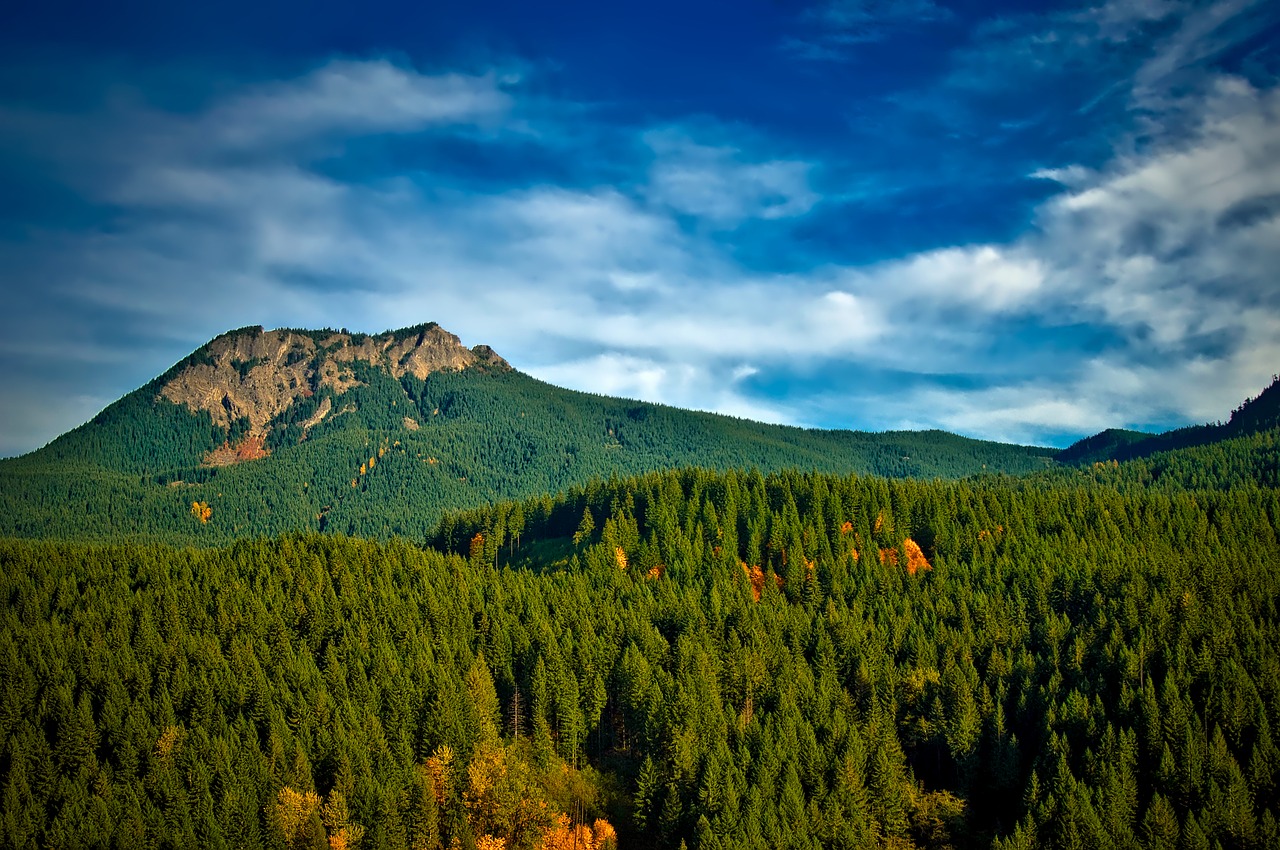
{"x": 1015, "y": 225}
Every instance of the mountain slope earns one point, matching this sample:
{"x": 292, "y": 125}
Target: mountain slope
{"x": 1254, "y": 416}
{"x": 271, "y": 431}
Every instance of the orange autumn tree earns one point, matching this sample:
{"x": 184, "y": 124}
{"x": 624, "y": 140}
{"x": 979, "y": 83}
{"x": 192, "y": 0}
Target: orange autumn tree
{"x": 566, "y": 835}
{"x": 201, "y": 511}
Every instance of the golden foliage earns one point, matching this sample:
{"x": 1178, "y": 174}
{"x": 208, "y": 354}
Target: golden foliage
{"x": 936, "y": 816}
{"x": 984, "y": 533}
{"x": 916, "y": 561}
{"x": 291, "y": 814}
{"x": 606, "y": 836}
{"x": 502, "y": 798}
{"x": 756, "y": 576}
{"x": 343, "y": 834}
{"x": 170, "y": 739}
{"x": 565, "y": 835}
{"x": 347, "y": 838}
{"x": 438, "y": 768}
{"x": 490, "y": 842}
{"x": 620, "y": 556}
{"x": 477, "y": 546}
{"x": 201, "y": 511}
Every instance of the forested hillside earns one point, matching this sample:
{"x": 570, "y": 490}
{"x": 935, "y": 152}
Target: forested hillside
{"x": 713, "y": 660}
{"x": 1256, "y": 415}
{"x": 294, "y": 431}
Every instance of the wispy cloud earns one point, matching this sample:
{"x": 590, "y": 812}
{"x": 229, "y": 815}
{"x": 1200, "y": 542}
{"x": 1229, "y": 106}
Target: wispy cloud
{"x": 352, "y": 97}
{"x": 833, "y": 28}
{"x": 716, "y": 182}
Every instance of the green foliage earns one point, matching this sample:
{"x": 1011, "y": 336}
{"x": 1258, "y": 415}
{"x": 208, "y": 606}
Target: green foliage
{"x": 1083, "y": 664}
{"x": 473, "y": 438}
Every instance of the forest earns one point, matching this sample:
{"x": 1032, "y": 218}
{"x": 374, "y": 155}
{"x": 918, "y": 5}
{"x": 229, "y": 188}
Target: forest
{"x": 699, "y": 658}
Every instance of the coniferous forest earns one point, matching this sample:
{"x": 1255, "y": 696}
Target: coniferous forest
{"x": 687, "y": 658}
{"x": 472, "y": 610}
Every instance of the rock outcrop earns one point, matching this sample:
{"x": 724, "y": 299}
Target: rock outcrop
{"x": 257, "y": 375}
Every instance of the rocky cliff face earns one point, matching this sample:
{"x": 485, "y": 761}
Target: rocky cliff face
{"x": 259, "y": 374}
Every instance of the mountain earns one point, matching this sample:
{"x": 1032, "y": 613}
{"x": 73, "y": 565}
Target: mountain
{"x": 1255, "y": 416}
{"x": 260, "y": 432}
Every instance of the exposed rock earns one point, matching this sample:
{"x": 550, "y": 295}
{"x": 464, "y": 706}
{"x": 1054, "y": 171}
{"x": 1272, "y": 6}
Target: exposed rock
{"x": 433, "y": 349}
{"x": 252, "y": 374}
{"x": 257, "y": 375}
{"x": 250, "y": 448}
{"x": 316, "y": 418}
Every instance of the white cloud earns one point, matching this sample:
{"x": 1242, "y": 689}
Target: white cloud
{"x": 1202, "y": 34}
{"x": 719, "y": 184}
{"x": 353, "y": 97}
{"x": 835, "y": 27}
{"x": 1181, "y": 242}
{"x": 691, "y": 385}
{"x": 1070, "y": 176}
{"x": 1105, "y": 393}
{"x": 989, "y": 279}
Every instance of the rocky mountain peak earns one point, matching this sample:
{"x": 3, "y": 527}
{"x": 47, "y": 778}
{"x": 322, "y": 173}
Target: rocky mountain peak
{"x": 258, "y": 374}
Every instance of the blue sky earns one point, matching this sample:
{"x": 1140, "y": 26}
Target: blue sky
{"x": 1015, "y": 225}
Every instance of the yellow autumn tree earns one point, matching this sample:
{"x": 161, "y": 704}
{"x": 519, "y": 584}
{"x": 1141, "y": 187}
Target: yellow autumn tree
{"x": 169, "y": 742}
{"x": 343, "y": 833}
{"x": 296, "y": 816}
{"x": 439, "y": 769}
{"x": 201, "y": 511}
{"x": 502, "y": 799}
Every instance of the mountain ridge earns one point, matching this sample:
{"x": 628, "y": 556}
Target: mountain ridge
{"x": 1255, "y": 415}
{"x": 377, "y": 435}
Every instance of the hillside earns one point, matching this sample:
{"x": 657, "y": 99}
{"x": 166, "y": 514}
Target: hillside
{"x": 716, "y": 661}
{"x": 1254, "y": 416}
{"x": 262, "y": 432}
